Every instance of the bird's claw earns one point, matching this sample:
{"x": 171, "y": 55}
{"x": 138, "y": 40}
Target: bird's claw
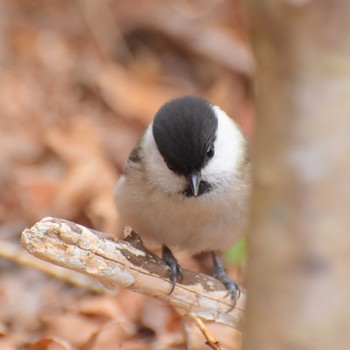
{"x": 232, "y": 287}
{"x": 176, "y": 271}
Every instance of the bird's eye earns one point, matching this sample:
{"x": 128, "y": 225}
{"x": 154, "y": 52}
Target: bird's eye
{"x": 210, "y": 152}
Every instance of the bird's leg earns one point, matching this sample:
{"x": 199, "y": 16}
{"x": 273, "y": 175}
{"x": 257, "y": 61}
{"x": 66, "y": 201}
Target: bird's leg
{"x": 220, "y": 274}
{"x": 175, "y": 268}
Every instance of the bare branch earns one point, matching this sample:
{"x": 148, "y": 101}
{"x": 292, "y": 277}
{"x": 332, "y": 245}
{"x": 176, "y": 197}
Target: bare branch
{"x": 13, "y": 252}
{"x": 127, "y": 263}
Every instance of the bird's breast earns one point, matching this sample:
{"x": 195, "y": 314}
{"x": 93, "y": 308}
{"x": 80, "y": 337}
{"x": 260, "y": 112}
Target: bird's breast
{"x": 207, "y": 222}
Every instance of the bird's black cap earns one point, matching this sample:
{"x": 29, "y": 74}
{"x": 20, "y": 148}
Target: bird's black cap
{"x": 184, "y": 129}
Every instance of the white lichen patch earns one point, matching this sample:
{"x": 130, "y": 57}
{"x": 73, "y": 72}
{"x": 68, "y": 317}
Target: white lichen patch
{"x": 211, "y": 284}
{"x": 179, "y": 300}
{"x": 132, "y": 250}
{"x": 208, "y": 285}
{"x": 219, "y": 317}
{"x": 122, "y": 277}
{"x": 208, "y": 315}
{"x": 127, "y": 231}
{"x": 227, "y": 318}
{"x": 115, "y": 274}
{"x": 205, "y": 303}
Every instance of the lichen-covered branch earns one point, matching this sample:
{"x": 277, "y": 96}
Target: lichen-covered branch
{"x": 127, "y": 263}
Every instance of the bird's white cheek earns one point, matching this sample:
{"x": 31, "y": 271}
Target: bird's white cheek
{"x": 228, "y": 150}
{"x": 221, "y": 167}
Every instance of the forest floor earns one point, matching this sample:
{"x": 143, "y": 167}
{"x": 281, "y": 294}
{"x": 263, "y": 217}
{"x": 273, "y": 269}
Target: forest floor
{"x": 80, "y": 80}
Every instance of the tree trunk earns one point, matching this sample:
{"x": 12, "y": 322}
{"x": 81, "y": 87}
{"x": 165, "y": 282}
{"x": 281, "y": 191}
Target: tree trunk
{"x": 298, "y": 278}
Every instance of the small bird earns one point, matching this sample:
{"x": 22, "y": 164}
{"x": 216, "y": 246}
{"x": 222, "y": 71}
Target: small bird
{"x": 187, "y": 183}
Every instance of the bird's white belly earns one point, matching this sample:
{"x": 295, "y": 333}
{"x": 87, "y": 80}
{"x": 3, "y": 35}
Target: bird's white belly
{"x": 194, "y": 224}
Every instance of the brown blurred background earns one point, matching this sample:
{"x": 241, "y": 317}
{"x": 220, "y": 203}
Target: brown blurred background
{"x": 79, "y": 82}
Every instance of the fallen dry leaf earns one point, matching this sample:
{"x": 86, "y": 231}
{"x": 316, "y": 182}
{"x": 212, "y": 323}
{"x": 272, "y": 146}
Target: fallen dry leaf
{"x": 79, "y": 82}
{"x": 49, "y": 344}
{"x": 90, "y": 180}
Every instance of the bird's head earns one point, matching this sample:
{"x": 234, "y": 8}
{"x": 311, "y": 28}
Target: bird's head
{"x": 192, "y": 147}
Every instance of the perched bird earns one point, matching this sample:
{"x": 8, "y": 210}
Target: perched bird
{"x": 187, "y": 182}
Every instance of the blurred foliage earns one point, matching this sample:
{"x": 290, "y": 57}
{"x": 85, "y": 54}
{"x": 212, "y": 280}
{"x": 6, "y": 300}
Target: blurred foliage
{"x": 237, "y": 253}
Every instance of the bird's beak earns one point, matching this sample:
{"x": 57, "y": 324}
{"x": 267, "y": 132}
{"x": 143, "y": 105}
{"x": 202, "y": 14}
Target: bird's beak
{"x": 194, "y": 180}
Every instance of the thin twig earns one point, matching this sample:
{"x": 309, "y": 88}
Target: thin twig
{"x": 214, "y": 344}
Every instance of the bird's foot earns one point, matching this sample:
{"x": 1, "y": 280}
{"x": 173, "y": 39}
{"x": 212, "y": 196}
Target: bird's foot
{"x": 231, "y": 286}
{"x": 176, "y": 272}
